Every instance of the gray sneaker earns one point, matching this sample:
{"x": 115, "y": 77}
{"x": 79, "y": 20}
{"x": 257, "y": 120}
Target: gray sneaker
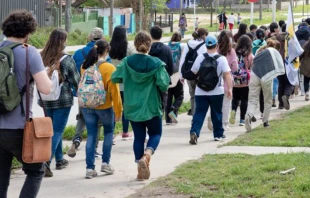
{"x": 248, "y": 124}
{"x": 193, "y": 138}
{"x": 107, "y": 168}
{"x": 90, "y": 173}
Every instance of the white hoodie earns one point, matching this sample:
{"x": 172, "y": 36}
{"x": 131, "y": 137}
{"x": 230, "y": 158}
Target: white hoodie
{"x": 192, "y": 44}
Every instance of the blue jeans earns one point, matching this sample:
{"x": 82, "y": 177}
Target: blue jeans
{"x": 154, "y": 128}
{"x": 60, "y": 118}
{"x": 92, "y": 117}
{"x": 182, "y": 32}
{"x": 202, "y": 106}
{"x": 125, "y": 122}
{"x": 275, "y": 88}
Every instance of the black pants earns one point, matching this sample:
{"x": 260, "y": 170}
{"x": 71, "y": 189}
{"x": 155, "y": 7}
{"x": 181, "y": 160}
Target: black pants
{"x": 240, "y": 94}
{"x": 174, "y": 100}
{"x": 11, "y": 142}
{"x": 285, "y": 88}
{"x": 261, "y": 101}
{"x": 306, "y": 83}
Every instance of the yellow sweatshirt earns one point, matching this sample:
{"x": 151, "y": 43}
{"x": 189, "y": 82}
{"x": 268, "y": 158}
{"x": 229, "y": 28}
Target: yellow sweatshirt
{"x": 113, "y": 97}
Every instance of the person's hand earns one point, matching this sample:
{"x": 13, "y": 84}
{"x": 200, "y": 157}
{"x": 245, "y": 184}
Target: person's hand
{"x": 229, "y": 94}
{"x": 116, "y": 119}
{"x": 182, "y": 81}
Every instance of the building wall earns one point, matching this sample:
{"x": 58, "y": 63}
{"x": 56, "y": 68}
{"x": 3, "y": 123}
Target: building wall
{"x": 37, "y": 7}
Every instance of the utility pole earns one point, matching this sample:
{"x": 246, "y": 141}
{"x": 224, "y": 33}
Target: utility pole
{"x": 260, "y": 9}
{"x": 68, "y": 15}
{"x": 274, "y": 10}
{"x": 60, "y": 13}
{"x": 181, "y": 6}
{"x": 140, "y": 15}
{"x": 111, "y": 18}
{"x": 211, "y": 14}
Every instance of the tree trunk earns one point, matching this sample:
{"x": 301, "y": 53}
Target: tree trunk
{"x": 68, "y": 15}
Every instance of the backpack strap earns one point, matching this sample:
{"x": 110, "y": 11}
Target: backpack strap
{"x": 198, "y": 46}
{"x": 13, "y": 45}
{"x": 206, "y": 55}
{"x": 217, "y": 56}
{"x": 100, "y": 62}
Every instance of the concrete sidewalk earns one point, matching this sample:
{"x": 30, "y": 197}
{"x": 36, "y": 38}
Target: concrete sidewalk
{"x": 173, "y": 150}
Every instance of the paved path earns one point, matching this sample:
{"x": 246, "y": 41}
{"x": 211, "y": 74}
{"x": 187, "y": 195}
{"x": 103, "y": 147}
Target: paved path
{"x": 173, "y": 151}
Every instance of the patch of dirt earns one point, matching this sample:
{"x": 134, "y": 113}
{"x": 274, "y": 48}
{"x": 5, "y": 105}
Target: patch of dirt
{"x": 156, "y": 192}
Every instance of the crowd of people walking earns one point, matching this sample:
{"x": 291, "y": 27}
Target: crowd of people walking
{"x": 138, "y": 84}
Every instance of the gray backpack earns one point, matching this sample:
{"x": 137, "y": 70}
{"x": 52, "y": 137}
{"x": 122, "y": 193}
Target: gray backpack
{"x": 10, "y": 96}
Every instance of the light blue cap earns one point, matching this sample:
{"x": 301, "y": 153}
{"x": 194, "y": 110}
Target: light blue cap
{"x": 211, "y": 40}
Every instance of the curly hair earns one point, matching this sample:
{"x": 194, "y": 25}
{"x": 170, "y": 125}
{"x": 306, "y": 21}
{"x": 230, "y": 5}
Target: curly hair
{"x": 224, "y": 44}
{"x": 19, "y": 24}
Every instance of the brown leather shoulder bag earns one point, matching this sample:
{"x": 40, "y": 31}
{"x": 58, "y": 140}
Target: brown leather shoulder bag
{"x": 38, "y": 132}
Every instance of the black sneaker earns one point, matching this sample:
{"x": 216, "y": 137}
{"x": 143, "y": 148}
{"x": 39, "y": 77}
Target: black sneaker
{"x": 193, "y": 140}
{"x": 223, "y": 136}
{"x": 189, "y": 112}
{"x": 61, "y": 164}
{"x": 286, "y": 102}
{"x": 47, "y": 170}
{"x": 253, "y": 119}
{"x": 266, "y": 124}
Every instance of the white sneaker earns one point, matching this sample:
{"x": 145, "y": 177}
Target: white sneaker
{"x": 107, "y": 168}
{"x": 307, "y": 97}
{"x": 226, "y": 127}
{"x": 210, "y": 125}
{"x": 90, "y": 173}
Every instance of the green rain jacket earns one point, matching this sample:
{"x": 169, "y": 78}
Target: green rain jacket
{"x": 144, "y": 77}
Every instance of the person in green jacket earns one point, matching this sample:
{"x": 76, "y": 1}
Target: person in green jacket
{"x": 145, "y": 79}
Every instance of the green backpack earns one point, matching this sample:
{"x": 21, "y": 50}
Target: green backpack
{"x": 10, "y": 96}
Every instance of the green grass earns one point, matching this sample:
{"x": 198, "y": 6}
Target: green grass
{"x": 241, "y": 176}
{"x": 292, "y": 130}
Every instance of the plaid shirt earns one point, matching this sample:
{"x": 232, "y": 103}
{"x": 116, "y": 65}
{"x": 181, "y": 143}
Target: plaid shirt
{"x": 72, "y": 77}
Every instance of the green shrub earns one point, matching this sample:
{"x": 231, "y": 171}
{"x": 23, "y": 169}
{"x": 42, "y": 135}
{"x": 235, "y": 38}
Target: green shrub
{"x": 41, "y": 36}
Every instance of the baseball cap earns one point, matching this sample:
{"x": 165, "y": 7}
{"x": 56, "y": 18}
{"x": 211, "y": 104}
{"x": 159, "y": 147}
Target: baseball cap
{"x": 96, "y": 33}
{"x": 211, "y": 40}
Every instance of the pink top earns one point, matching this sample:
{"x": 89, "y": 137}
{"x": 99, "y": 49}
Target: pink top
{"x": 232, "y": 60}
{"x": 248, "y": 61}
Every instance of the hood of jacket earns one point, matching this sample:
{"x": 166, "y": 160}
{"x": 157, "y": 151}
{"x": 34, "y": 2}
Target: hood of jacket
{"x": 302, "y": 34}
{"x": 156, "y": 49}
{"x": 141, "y": 67}
{"x": 194, "y": 43}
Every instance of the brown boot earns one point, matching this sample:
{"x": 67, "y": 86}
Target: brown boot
{"x": 274, "y": 103}
{"x": 143, "y": 167}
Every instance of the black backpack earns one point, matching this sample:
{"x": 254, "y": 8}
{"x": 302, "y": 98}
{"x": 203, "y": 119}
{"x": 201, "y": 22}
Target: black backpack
{"x": 189, "y": 61}
{"x": 207, "y": 75}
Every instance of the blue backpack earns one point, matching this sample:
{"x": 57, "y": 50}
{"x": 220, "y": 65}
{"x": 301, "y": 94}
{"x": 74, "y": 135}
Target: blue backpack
{"x": 176, "y": 55}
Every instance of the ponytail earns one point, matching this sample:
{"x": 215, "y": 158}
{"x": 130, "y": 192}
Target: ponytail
{"x": 99, "y": 49}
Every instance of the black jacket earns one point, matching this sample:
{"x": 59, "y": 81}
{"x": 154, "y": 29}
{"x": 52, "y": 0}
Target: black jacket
{"x": 163, "y": 52}
{"x": 302, "y": 36}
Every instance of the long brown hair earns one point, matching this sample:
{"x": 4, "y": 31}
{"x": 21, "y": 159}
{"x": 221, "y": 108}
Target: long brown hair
{"x": 306, "y": 48}
{"x": 224, "y": 42}
{"x": 53, "y": 50}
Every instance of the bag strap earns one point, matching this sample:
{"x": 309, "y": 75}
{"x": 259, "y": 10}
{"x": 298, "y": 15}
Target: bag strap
{"x": 197, "y": 48}
{"x": 28, "y": 86}
{"x": 100, "y": 62}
